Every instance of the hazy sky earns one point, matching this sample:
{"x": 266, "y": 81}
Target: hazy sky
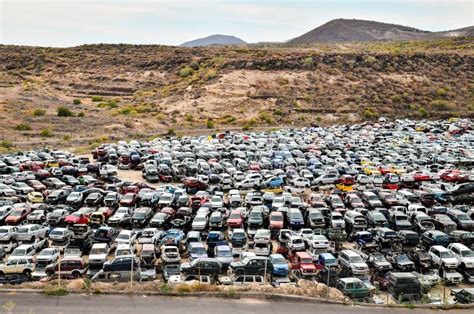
{"x": 74, "y": 22}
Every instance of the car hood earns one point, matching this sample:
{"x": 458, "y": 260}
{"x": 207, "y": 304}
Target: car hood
{"x": 225, "y": 259}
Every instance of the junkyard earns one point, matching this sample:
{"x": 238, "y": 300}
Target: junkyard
{"x": 381, "y": 212}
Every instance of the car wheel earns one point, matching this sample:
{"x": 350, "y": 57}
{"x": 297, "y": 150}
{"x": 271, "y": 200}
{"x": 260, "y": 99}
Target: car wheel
{"x": 76, "y": 274}
{"x": 27, "y": 272}
{"x": 239, "y": 272}
{"x": 261, "y": 272}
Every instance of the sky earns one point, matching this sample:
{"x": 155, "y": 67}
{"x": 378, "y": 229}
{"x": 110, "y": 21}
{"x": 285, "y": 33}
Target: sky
{"x": 65, "y": 23}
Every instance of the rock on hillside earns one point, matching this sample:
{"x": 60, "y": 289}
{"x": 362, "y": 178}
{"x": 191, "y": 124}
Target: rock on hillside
{"x": 214, "y": 40}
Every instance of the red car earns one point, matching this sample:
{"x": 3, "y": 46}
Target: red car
{"x": 236, "y": 219}
{"x": 421, "y": 176}
{"x": 17, "y": 215}
{"x": 276, "y": 221}
{"x": 196, "y": 201}
{"x": 385, "y": 169}
{"x": 106, "y": 211}
{"x": 79, "y": 217}
{"x": 37, "y": 185}
{"x": 303, "y": 263}
{"x": 254, "y": 167}
{"x": 130, "y": 189}
{"x": 128, "y": 200}
{"x": 454, "y": 176}
{"x": 194, "y": 184}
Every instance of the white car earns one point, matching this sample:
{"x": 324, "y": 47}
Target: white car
{"x": 353, "y": 261}
{"x": 199, "y": 222}
{"x": 463, "y": 254}
{"x": 30, "y": 232}
{"x": 296, "y": 243}
{"x": 49, "y": 255}
{"x": 170, "y": 254}
{"x": 301, "y": 182}
{"x": 319, "y": 242}
{"x": 262, "y": 236}
{"x": 24, "y": 250}
{"x": 98, "y": 254}
{"x": 443, "y": 257}
{"x": 127, "y": 237}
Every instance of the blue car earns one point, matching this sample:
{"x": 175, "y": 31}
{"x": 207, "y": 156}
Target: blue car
{"x": 274, "y": 182}
{"x": 173, "y": 237}
{"x": 280, "y": 266}
{"x": 196, "y": 250}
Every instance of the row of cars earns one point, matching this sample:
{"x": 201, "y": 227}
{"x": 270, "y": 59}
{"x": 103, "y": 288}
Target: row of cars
{"x": 372, "y": 210}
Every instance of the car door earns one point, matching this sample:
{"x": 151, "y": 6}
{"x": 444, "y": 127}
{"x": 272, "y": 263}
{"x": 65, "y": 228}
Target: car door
{"x": 11, "y": 267}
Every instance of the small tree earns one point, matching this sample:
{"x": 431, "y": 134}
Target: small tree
{"x": 64, "y": 112}
{"x": 210, "y": 124}
{"x": 186, "y": 71}
{"x": 39, "y": 112}
{"x": 76, "y": 101}
{"x": 23, "y": 127}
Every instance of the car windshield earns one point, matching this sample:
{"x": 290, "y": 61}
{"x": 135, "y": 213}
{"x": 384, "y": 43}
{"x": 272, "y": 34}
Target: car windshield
{"x": 56, "y": 232}
{"x": 225, "y": 253}
{"x": 277, "y": 218}
{"x": 98, "y": 250}
{"x": 22, "y": 230}
{"x": 16, "y": 212}
{"x": 306, "y": 260}
{"x": 46, "y": 252}
{"x": 18, "y": 252}
{"x": 198, "y": 250}
{"x": 123, "y": 236}
{"x": 463, "y": 217}
{"x": 139, "y": 215}
{"x": 446, "y": 254}
{"x": 467, "y": 253}
{"x": 278, "y": 260}
{"x": 356, "y": 259}
{"x": 200, "y": 219}
{"x": 402, "y": 258}
{"x": 4, "y": 230}
{"x": 238, "y": 235}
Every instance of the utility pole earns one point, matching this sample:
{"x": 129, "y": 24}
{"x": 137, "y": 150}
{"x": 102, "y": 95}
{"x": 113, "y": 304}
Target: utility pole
{"x": 327, "y": 284}
{"x": 131, "y": 274}
{"x": 265, "y": 272}
{"x": 59, "y": 271}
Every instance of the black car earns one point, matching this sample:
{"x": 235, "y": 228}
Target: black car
{"x": 141, "y": 216}
{"x": 463, "y": 296}
{"x": 404, "y": 285}
{"x": 409, "y": 238}
{"x": 254, "y": 265}
{"x": 122, "y": 263}
{"x": 105, "y": 234}
{"x": 202, "y": 266}
{"x": 13, "y": 279}
{"x": 94, "y": 199}
{"x": 160, "y": 220}
{"x": 57, "y": 197}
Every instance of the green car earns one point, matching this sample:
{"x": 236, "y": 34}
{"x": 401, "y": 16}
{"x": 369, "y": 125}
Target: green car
{"x": 354, "y": 288}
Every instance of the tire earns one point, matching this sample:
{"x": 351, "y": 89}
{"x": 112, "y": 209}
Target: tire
{"x": 261, "y": 272}
{"x": 27, "y": 273}
{"x": 239, "y": 272}
{"x": 76, "y": 274}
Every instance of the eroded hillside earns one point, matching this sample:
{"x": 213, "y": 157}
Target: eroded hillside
{"x": 125, "y": 91}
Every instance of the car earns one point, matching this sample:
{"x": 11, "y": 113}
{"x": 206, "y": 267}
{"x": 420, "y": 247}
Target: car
{"x": 280, "y": 265}
{"x": 21, "y": 265}
{"x": 256, "y": 265}
{"x": 202, "y": 266}
{"x": 442, "y": 257}
{"x": 353, "y": 287}
{"x": 29, "y": 232}
{"x": 224, "y": 255}
{"x": 404, "y": 286}
{"x": 196, "y": 250}
{"x": 353, "y": 262}
{"x": 463, "y": 254}
{"x": 48, "y": 255}
{"x": 170, "y": 254}
{"x": 463, "y": 296}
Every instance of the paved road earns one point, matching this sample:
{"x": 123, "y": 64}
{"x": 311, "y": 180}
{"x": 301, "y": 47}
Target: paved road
{"x": 102, "y": 304}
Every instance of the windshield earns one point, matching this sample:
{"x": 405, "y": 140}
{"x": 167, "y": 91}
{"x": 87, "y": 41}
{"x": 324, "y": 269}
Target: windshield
{"x": 356, "y": 259}
{"x": 98, "y": 250}
{"x": 225, "y": 253}
{"x": 278, "y": 260}
{"x": 123, "y": 236}
{"x": 56, "y": 232}
{"x": 446, "y": 254}
{"x": 277, "y": 218}
{"x": 139, "y": 215}
{"x": 198, "y": 250}
{"x": 402, "y": 258}
{"x": 16, "y": 212}
{"x": 467, "y": 253}
{"x": 22, "y": 230}
{"x": 3, "y": 230}
{"x": 18, "y": 252}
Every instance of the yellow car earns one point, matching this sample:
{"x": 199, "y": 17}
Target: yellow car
{"x": 371, "y": 170}
{"x": 51, "y": 164}
{"x": 277, "y": 190}
{"x": 365, "y": 162}
{"x": 35, "y": 197}
{"x": 344, "y": 188}
{"x": 398, "y": 170}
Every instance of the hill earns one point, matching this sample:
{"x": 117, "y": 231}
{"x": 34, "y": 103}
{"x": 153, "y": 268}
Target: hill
{"x": 138, "y": 91}
{"x": 214, "y": 40}
{"x": 347, "y": 30}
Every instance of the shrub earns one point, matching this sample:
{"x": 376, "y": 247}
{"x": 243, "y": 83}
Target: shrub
{"x": 371, "y": 113}
{"x": 194, "y": 65}
{"x": 229, "y": 119}
{"x": 189, "y": 117}
{"x": 39, "y": 112}
{"x": 422, "y": 112}
{"x": 64, "y": 112}
{"x": 54, "y": 291}
{"x": 441, "y": 105}
{"x": 81, "y": 114}
{"x": 76, "y": 101}
{"x": 6, "y": 144}
{"x": 171, "y": 132}
{"x": 165, "y": 288}
{"x": 67, "y": 137}
{"x": 370, "y": 59}
{"x": 209, "y": 124}
{"x": 97, "y": 98}
{"x": 46, "y": 133}
{"x": 23, "y": 127}
{"x": 246, "y": 127}
{"x": 110, "y": 104}
{"x": 278, "y": 112}
{"x": 470, "y": 107}
{"x": 308, "y": 62}
{"x": 441, "y": 92}
{"x": 186, "y": 71}
{"x": 210, "y": 74}
{"x": 265, "y": 116}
